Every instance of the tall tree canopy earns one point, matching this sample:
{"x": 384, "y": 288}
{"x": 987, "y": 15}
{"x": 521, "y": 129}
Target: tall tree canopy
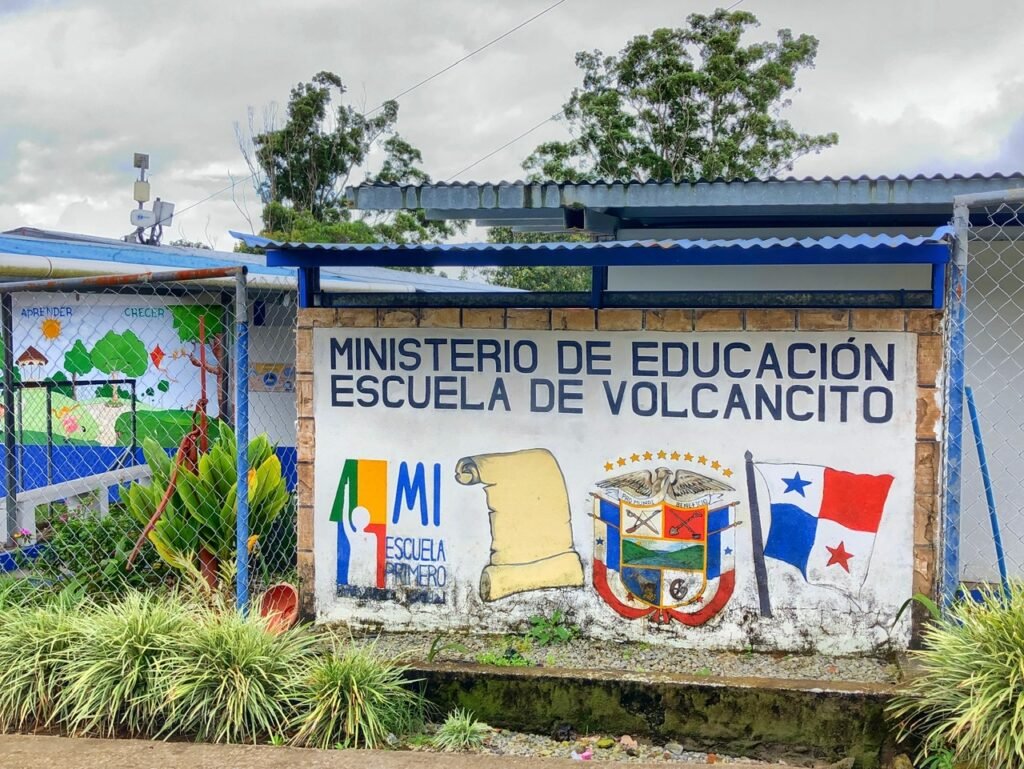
{"x": 687, "y": 103}
{"x": 301, "y": 168}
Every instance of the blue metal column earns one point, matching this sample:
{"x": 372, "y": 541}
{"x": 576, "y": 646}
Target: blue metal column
{"x": 955, "y": 406}
{"x": 242, "y": 441}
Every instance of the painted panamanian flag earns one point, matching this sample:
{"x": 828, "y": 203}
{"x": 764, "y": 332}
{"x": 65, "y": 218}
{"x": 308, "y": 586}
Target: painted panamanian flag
{"x": 824, "y": 521}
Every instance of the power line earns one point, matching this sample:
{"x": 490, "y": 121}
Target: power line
{"x": 530, "y": 131}
{"x": 408, "y": 90}
{"x": 469, "y": 55}
{"x": 509, "y": 143}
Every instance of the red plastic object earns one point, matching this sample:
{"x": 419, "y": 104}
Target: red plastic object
{"x": 280, "y": 604}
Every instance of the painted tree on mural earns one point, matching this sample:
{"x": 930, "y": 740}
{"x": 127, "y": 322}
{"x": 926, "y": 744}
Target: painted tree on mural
{"x": 77, "y": 362}
{"x": 675, "y": 105}
{"x": 186, "y": 323}
{"x": 118, "y": 354}
{"x": 301, "y": 168}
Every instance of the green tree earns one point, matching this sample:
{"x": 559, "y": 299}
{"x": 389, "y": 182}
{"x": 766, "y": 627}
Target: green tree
{"x": 122, "y": 353}
{"x": 537, "y": 278}
{"x": 63, "y": 384}
{"x": 682, "y": 104}
{"x": 78, "y": 362}
{"x": 301, "y": 169}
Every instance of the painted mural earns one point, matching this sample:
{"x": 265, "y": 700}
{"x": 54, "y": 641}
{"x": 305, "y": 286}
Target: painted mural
{"x": 138, "y": 354}
{"x": 709, "y": 488}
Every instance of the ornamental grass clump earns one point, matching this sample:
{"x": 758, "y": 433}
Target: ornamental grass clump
{"x": 229, "y": 680}
{"x": 354, "y": 698}
{"x": 460, "y": 731}
{"x": 35, "y": 650}
{"x": 111, "y": 674}
{"x": 968, "y": 700}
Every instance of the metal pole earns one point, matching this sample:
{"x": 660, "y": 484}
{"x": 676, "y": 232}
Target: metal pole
{"x": 10, "y": 460}
{"x": 955, "y": 401}
{"x": 242, "y": 440}
{"x": 990, "y": 496}
{"x": 106, "y": 281}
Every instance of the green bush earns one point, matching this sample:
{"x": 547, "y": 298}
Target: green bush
{"x": 35, "y": 649}
{"x": 460, "y": 731}
{"x": 92, "y": 550}
{"x": 114, "y": 662}
{"x": 354, "y": 698}
{"x": 229, "y": 680}
{"x": 967, "y": 702}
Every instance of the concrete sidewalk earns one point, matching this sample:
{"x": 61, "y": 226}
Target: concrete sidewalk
{"x": 35, "y": 752}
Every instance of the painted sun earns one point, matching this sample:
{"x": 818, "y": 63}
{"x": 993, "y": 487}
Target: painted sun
{"x": 51, "y": 328}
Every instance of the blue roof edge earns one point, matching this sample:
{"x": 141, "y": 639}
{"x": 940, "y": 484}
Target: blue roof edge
{"x": 942, "y": 235}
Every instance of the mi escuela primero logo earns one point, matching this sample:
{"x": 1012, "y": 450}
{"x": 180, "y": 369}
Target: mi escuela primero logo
{"x": 369, "y": 555}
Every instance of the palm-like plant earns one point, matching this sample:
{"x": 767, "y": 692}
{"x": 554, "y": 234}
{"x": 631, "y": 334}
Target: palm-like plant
{"x": 198, "y": 520}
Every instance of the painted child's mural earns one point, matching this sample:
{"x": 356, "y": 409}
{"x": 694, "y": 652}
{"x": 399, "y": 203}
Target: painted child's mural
{"x": 139, "y": 352}
{"x": 706, "y": 488}
{"x": 100, "y": 373}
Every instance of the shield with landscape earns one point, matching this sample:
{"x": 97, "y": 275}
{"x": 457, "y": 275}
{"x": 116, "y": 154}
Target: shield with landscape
{"x": 664, "y": 545}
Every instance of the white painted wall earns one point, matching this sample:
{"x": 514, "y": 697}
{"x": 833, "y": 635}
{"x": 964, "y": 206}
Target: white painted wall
{"x": 515, "y": 518}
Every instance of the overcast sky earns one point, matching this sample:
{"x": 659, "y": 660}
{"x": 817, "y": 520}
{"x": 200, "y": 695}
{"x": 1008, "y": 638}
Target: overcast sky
{"x": 910, "y": 85}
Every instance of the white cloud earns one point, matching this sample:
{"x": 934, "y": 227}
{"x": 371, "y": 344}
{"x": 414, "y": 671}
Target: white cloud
{"x": 918, "y": 85}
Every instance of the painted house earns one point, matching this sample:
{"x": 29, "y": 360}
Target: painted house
{"x": 737, "y": 436}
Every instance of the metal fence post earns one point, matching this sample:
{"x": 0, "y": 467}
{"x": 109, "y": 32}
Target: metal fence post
{"x": 10, "y": 460}
{"x": 242, "y": 439}
{"x": 955, "y": 401}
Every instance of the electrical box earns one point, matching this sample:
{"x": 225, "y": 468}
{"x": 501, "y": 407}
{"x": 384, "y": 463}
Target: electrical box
{"x": 141, "y": 192}
{"x": 140, "y": 217}
{"x": 164, "y": 212}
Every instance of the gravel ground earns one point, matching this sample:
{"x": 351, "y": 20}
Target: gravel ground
{"x": 635, "y": 657}
{"x": 501, "y": 742}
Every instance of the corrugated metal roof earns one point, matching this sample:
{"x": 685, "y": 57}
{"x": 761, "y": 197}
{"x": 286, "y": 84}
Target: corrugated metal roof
{"x": 52, "y": 245}
{"x": 924, "y": 201}
{"x": 939, "y": 236}
{"x": 1013, "y": 175}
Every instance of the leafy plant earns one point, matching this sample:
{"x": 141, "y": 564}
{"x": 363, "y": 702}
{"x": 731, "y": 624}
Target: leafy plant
{"x": 354, "y": 698}
{"x": 967, "y": 698}
{"x": 556, "y": 629}
{"x": 92, "y": 550}
{"x": 278, "y": 740}
{"x": 35, "y": 650}
{"x": 229, "y": 680}
{"x": 440, "y": 644}
{"x": 510, "y": 658}
{"x": 460, "y": 731}
{"x": 921, "y": 600}
{"x": 200, "y": 514}
{"x": 113, "y": 663}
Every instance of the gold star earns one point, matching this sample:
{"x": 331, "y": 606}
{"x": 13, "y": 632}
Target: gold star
{"x": 621, "y": 461}
{"x": 675, "y": 455}
{"x": 688, "y": 456}
{"x": 715, "y": 465}
{"x": 702, "y": 459}
{"x": 634, "y": 457}
{"x": 727, "y": 472}
{"x": 648, "y": 455}
{"x": 608, "y": 466}
{"x": 662, "y": 454}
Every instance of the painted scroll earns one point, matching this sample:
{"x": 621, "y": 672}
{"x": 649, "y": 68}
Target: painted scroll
{"x": 531, "y": 529}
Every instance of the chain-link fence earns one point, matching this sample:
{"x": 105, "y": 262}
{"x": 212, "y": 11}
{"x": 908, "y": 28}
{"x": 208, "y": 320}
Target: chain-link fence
{"x": 986, "y": 393}
{"x": 120, "y": 401}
